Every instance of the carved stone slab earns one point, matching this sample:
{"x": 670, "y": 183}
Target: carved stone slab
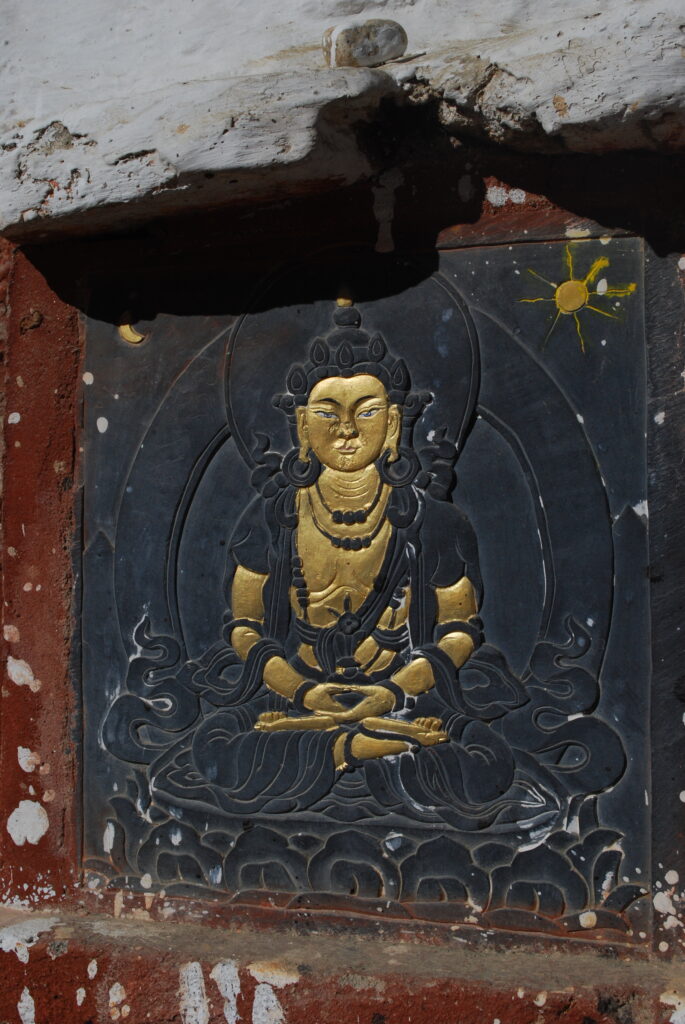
{"x": 365, "y": 602}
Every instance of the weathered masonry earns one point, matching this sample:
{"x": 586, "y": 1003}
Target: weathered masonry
{"x": 343, "y": 567}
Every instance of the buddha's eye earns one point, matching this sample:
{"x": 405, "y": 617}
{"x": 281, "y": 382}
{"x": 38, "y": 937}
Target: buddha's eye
{"x": 324, "y": 415}
{"x": 368, "y": 413}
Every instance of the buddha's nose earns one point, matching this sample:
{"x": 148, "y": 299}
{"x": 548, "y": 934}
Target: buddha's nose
{"x": 347, "y": 429}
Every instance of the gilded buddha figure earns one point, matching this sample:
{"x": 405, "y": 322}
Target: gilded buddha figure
{"x": 341, "y": 539}
{"x": 354, "y": 594}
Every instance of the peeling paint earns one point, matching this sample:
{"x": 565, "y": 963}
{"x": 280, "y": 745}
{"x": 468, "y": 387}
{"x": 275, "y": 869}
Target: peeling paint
{"x": 21, "y": 673}
{"x": 21, "y": 935}
{"x": 194, "y": 1007}
{"x": 28, "y": 823}
{"x": 28, "y": 759}
{"x": 26, "y": 1008}
{"x": 227, "y": 979}
{"x": 266, "y": 1008}
{"x": 677, "y": 1001}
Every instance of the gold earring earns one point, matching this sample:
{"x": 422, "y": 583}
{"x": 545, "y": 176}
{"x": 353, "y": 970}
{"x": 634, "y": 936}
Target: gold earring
{"x": 393, "y": 454}
{"x": 304, "y": 452}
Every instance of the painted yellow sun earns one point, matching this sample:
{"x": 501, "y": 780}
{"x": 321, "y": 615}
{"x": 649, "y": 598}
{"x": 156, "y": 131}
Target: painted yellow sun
{"x": 574, "y": 294}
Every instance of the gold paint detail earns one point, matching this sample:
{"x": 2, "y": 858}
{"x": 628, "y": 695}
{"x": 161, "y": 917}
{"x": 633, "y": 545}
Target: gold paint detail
{"x": 247, "y": 594}
{"x": 343, "y": 301}
{"x": 573, "y": 295}
{"x": 457, "y": 601}
{"x": 129, "y": 334}
{"x": 348, "y": 423}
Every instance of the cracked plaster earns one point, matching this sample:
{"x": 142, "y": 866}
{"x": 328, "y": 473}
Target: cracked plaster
{"x": 172, "y": 106}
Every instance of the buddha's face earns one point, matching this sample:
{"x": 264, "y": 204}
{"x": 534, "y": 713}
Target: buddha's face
{"x": 348, "y": 422}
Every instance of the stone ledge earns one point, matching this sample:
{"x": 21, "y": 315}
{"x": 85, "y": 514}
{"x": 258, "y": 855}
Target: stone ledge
{"x": 102, "y": 135}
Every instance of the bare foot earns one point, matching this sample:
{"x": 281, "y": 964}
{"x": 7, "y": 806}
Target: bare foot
{"x": 426, "y": 731}
{"x": 277, "y": 721}
{"x": 269, "y": 720}
{"x": 430, "y": 731}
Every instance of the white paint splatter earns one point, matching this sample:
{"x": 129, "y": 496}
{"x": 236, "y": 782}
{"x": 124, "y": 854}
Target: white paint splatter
{"x": 681, "y": 263}
{"x": 21, "y": 673}
{"x": 26, "y": 1008}
{"x": 672, "y": 877}
{"x": 88, "y": 378}
{"x": 577, "y": 232}
{"x": 602, "y": 286}
{"x": 681, "y": 796}
{"x": 176, "y": 837}
{"x": 80, "y": 996}
{"x": 517, "y": 195}
{"x": 273, "y": 974}
{"x": 496, "y": 195}
{"x": 108, "y": 837}
{"x": 642, "y": 509}
{"x": 11, "y": 634}
{"x": 588, "y": 919}
{"x": 663, "y": 947}
{"x": 540, "y": 999}
{"x": 227, "y": 980}
{"x": 14, "y": 417}
{"x": 194, "y": 1007}
{"x": 117, "y": 994}
{"x": 146, "y": 880}
{"x": 92, "y": 969}
{"x": 659, "y": 418}
{"x": 266, "y": 1008}
{"x": 677, "y": 1001}
{"x": 102, "y": 423}
{"x": 664, "y": 904}
{"x": 28, "y": 823}
{"x": 580, "y": 418}
{"x": 28, "y": 759}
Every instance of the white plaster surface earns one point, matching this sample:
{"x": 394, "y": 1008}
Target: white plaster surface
{"x": 18, "y": 936}
{"x": 173, "y": 104}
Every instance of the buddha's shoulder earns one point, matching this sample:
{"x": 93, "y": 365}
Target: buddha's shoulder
{"x": 448, "y": 541}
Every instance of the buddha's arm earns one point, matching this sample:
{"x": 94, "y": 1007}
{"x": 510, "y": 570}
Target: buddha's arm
{"x": 456, "y": 603}
{"x": 248, "y": 603}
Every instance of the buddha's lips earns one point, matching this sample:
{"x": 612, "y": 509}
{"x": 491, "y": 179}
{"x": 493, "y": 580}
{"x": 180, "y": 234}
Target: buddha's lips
{"x": 347, "y": 449}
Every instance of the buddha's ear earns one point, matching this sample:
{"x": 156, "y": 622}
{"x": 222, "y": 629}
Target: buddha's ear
{"x": 301, "y": 418}
{"x": 392, "y": 436}
{"x": 394, "y": 425}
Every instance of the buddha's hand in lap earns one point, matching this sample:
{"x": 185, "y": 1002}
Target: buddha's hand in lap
{"x": 375, "y": 700}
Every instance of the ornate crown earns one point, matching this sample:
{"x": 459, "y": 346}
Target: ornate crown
{"x": 346, "y": 351}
